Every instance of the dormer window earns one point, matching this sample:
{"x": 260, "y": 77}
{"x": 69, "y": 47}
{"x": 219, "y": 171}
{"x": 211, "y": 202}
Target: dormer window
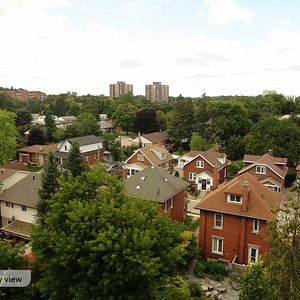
{"x": 200, "y": 164}
{"x": 234, "y": 199}
{"x": 163, "y": 155}
{"x": 261, "y": 170}
{"x": 140, "y": 157}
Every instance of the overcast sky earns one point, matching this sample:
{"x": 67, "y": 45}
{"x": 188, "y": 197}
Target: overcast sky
{"x": 217, "y": 47}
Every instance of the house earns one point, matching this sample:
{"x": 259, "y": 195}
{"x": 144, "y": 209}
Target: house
{"x": 233, "y": 220}
{"x": 36, "y": 154}
{"x": 205, "y": 169}
{"x": 106, "y": 125}
{"x": 90, "y": 146}
{"x": 151, "y": 155}
{"x": 64, "y": 121}
{"x": 157, "y": 184}
{"x": 144, "y": 140}
{"x": 18, "y": 203}
{"x": 270, "y": 170}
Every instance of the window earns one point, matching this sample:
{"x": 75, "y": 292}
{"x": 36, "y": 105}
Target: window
{"x": 140, "y": 157}
{"x": 200, "y": 164}
{"x": 9, "y": 205}
{"x": 253, "y": 254}
{"x": 24, "y": 208}
{"x": 66, "y": 148}
{"x": 234, "y": 199}
{"x": 218, "y": 221}
{"x": 163, "y": 155}
{"x": 192, "y": 176}
{"x": 217, "y": 245}
{"x": 255, "y": 226}
{"x": 261, "y": 170}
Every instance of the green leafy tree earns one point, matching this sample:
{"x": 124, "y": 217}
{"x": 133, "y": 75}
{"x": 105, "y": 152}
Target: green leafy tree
{"x": 48, "y": 188}
{"x": 283, "y": 259}
{"x": 198, "y": 143}
{"x": 23, "y": 117}
{"x": 124, "y": 116}
{"x": 50, "y": 125}
{"x": 100, "y": 243}
{"x": 36, "y": 136}
{"x": 112, "y": 145}
{"x": 234, "y": 167}
{"x": 235, "y": 147}
{"x": 256, "y": 284}
{"x": 87, "y": 124}
{"x": 8, "y": 133}
{"x": 75, "y": 163}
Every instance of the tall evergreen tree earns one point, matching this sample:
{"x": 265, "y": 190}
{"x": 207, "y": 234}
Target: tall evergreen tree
{"x": 74, "y": 162}
{"x": 50, "y": 125}
{"x": 49, "y": 187}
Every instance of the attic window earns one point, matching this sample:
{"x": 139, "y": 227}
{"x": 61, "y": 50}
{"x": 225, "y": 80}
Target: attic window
{"x": 200, "y": 164}
{"x": 163, "y": 155}
{"x": 138, "y": 187}
{"x": 234, "y": 199}
{"x": 140, "y": 157}
{"x": 261, "y": 170}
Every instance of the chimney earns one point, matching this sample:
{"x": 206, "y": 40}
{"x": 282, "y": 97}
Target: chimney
{"x": 33, "y": 176}
{"x": 270, "y": 151}
{"x": 215, "y": 178}
{"x": 217, "y": 147}
{"x": 245, "y": 200}
{"x": 41, "y": 148}
{"x": 2, "y": 171}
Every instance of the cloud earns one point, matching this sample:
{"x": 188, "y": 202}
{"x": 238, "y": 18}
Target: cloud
{"x": 281, "y": 21}
{"x": 134, "y": 4}
{"x": 223, "y": 12}
{"x": 130, "y": 63}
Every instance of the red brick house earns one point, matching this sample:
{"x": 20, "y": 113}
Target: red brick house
{"x": 151, "y": 155}
{"x": 161, "y": 138}
{"x": 36, "y": 154}
{"x": 233, "y": 220}
{"x": 90, "y": 146}
{"x": 206, "y": 169}
{"x": 157, "y": 184}
{"x": 270, "y": 170}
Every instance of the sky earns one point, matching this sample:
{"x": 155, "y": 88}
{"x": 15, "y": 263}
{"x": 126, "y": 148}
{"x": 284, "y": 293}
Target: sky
{"x": 217, "y": 47}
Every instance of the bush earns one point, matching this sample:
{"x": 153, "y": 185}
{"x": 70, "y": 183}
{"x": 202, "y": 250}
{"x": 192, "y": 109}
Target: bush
{"x": 199, "y": 269}
{"x": 214, "y": 269}
{"x": 195, "y": 289}
{"x": 289, "y": 179}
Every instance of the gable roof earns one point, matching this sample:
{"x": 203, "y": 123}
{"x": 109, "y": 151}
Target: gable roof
{"x": 268, "y": 162}
{"x": 85, "y": 140}
{"x": 24, "y": 192}
{"x": 156, "y": 137}
{"x": 155, "y": 183}
{"x": 254, "y": 158}
{"x": 261, "y": 198}
{"x": 6, "y": 173}
{"x": 41, "y": 149}
{"x": 211, "y": 155}
{"x": 149, "y": 153}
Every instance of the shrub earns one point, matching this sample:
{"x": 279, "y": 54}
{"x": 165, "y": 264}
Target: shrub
{"x": 214, "y": 269}
{"x": 199, "y": 269}
{"x": 195, "y": 289}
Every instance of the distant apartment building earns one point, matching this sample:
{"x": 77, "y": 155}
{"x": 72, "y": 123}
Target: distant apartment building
{"x": 157, "y": 92}
{"x": 22, "y": 94}
{"x": 120, "y": 89}
{"x": 268, "y": 92}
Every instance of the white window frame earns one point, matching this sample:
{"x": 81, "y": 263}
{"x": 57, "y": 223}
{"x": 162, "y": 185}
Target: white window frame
{"x": 215, "y": 221}
{"x": 9, "y": 205}
{"x": 200, "y": 164}
{"x": 255, "y": 226}
{"x": 23, "y": 208}
{"x": 192, "y": 176}
{"x": 218, "y": 239}
{"x": 140, "y": 157}
{"x": 229, "y": 199}
{"x": 261, "y": 169}
{"x": 250, "y": 247}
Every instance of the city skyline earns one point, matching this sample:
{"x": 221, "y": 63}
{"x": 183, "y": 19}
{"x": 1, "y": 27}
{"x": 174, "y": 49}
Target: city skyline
{"x": 217, "y": 47}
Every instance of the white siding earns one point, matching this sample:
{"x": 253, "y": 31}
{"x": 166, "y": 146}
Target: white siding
{"x": 25, "y": 216}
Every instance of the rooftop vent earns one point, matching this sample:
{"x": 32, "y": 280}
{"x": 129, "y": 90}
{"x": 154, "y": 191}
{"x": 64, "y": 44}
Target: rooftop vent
{"x": 165, "y": 179}
{"x": 143, "y": 178}
{"x": 138, "y": 187}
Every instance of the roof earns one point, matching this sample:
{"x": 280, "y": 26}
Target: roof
{"x": 156, "y": 137}
{"x": 24, "y": 191}
{"x": 155, "y": 183}
{"x": 6, "y": 173}
{"x": 135, "y": 164}
{"x": 18, "y": 228}
{"x": 211, "y": 155}
{"x": 268, "y": 161}
{"x": 41, "y": 149}
{"x": 68, "y": 118}
{"x": 261, "y": 198}
{"x": 85, "y": 140}
{"x": 16, "y": 165}
{"x": 254, "y": 158}
{"x": 106, "y": 124}
{"x": 149, "y": 153}
{"x": 270, "y": 179}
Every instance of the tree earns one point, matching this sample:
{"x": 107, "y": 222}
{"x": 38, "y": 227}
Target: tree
{"x": 256, "y": 284}
{"x": 235, "y": 147}
{"x": 100, "y": 243}
{"x": 48, "y": 188}
{"x": 283, "y": 259}
{"x": 198, "y": 143}
{"x": 23, "y": 117}
{"x": 112, "y": 145}
{"x": 87, "y": 124}
{"x": 145, "y": 121}
{"x": 36, "y": 137}
{"x": 50, "y": 125}
{"x": 8, "y": 134}
{"x": 124, "y": 116}
{"x": 74, "y": 163}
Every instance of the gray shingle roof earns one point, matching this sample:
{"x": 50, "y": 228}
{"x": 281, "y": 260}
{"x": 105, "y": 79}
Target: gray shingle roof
{"x": 85, "y": 140}
{"x": 154, "y": 183}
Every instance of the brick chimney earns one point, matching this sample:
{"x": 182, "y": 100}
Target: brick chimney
{"x": 245, "y": 200}
{"x": 270, "y": 151}
{"x": 215, "y": 177}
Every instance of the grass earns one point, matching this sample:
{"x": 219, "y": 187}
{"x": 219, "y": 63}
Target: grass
{"x": 32, "y": 168}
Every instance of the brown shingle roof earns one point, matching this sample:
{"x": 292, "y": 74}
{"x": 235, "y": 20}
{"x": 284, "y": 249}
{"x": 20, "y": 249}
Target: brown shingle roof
{"x": 42, "y": 149}
{"x": 156, "y": 137}
{"x": 149, "y": 153}
{"x": 6, "y": 173}
{"x": 16, "y": 165}
{"x": 261, "y": 198}
{"x": 255, "y": 158}
{"x": 18, "y": 228}
{"x": 24, "y": 192}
